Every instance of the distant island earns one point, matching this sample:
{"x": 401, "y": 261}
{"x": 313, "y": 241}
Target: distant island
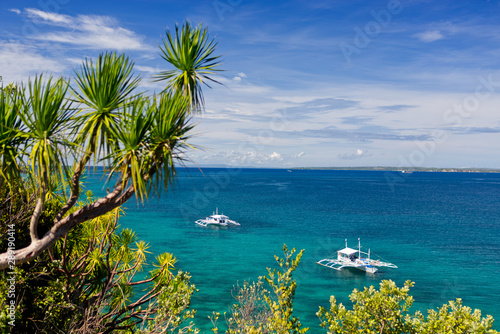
{"x": 407, "y": 169}
{"x": 365, "y": 168}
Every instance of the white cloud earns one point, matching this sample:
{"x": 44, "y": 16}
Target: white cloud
{"x": 15, "y": 10}
{"x": 299, "y": 155}
{"x": 147, "y": 69}
{"x": 430, "y": 36}
{"x": 275, "y": 156}
{"x": 49, "y": 17}
{"x": 240, "y": 76}
{"x": 381, "y": 137}
{"x": 245, "y": 158}
{"x": 19, "y": 61}
{"x": 87, "y": 31}
{"x": 352, "y": 156}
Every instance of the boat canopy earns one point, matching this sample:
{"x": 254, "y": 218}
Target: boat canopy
{"x": 348, "y": 251}
{"x": 347, "y": 259}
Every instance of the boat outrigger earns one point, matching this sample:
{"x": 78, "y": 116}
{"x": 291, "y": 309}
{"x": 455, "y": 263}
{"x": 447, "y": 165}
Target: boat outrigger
{"x": 352, "y": 258}
{"x": 216, "y": 220}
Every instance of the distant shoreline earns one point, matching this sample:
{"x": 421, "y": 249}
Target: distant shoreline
{"x": 367, "y": 168}
{"x": 405, "y": 169}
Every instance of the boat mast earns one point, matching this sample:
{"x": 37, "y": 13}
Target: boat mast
{"x": 359, "y": 248}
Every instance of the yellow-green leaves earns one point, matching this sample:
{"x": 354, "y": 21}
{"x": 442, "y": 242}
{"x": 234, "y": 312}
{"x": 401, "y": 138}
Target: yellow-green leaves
{"x": 141, "y": 137}
{"x": 455, "y": 318}
{"x": 152, "y": 137}
{"x": 261, "y": 311}
{"x": 374, "y": 311}
{"x": 10, "y": 126}
{"x": 387, "y": 310}
{"x": 191, "y": 52}
{"x": 169, "y": 137}
{"x": 104, "y": 87}
{"x": 164, "y": 263}
{"x": 47, "y": 116}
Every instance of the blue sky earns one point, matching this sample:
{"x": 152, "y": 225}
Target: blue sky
{"x": 307, "y": 83}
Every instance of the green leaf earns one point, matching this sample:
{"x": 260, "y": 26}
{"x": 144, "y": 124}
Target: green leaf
{"x": 191, "y": 52}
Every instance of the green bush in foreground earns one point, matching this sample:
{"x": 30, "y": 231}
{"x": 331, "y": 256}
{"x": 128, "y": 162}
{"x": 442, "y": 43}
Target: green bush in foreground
{"x": 87, "y": 285}
{"x": 92, "y": 281}
{"x": 268, "y": 311}
{"x": 388, "y": 311}
{"x": 383, "y": 311}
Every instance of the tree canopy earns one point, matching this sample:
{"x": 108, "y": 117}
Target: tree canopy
{"x": 52, "y": 129}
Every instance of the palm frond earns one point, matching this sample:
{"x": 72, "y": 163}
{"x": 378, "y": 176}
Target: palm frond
{"x": 47, "y": 116}
{"x": 10, "y": 142}
{"x": 133, "y": 138}
{"x": 191, "y": 52}
{"x": 169, "y": 135}
{"x": 103, "y": 88}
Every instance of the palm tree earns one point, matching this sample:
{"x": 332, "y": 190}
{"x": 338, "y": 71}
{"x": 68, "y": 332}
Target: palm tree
{"x": 139, "y": 137}
{"x": 10, "y": 125}
{"x": 46, "y": 115}
{"x": 191, "y": 52}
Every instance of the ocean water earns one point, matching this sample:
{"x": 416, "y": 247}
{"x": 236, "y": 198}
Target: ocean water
{"x": 442, "y": 230}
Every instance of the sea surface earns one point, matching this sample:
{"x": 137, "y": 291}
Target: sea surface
{"x": 442, "y": 230}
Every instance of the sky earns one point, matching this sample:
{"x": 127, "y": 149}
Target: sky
{"x": 306, "y": 83}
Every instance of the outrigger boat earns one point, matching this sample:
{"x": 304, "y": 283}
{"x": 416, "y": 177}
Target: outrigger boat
{"x": 352, "y": 258}
{"x": 216, "y": 220}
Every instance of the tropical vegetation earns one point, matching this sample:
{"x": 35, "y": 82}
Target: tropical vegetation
{"x": 53, "y": 129}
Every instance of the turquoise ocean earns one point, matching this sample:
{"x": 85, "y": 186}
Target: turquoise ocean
{"x": 442, "y": 230}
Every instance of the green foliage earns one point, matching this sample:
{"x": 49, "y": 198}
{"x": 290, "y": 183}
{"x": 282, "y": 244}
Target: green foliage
{"x": 149, "y": 132}
{"x": 11, "y": 88}
{"x": 88, "y": 283}
{"x": 268, "y": 311}
{"x": 388, "y": 311}
{"x": 172, "y": 308}
{"x": 104, "y": 87}
{"x": 30, "y": 278}
{"x": 133, "y": 135}
{"x": 16, "y": 210}
{"x": 383, "y": 311}
{"x": 283, "y": 287}
{"x": 46, "y": 115}
{"x": 454, "y": 318}
{"x": 138, "y": 136}
{"x": 171, "y": 128}
{"x": 190, "y": 51}
{"x": 10, "y": 125}
{"x": 76, "y": 272}
{"x": 252, "y": 312}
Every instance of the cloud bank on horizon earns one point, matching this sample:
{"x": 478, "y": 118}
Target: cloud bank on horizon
{"x": 329, "y": 83}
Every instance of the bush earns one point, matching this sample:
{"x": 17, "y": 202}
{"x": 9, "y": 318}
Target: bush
{"x": 388, "y": 311}
{"x": 88, "y": 283}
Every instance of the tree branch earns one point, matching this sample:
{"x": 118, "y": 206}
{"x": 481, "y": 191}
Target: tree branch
{"x": 75, "y": 186}
{"x": 37, "y": 213}
{"x": 63, "y": 226}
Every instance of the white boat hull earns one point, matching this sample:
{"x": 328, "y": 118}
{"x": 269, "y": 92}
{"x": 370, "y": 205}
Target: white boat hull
{"x": 216, "y": 220}
{"x": 339, "y": 265}
{"x": 352, "y": 258}
{"x": 204, "y": 223}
